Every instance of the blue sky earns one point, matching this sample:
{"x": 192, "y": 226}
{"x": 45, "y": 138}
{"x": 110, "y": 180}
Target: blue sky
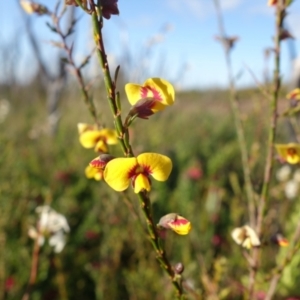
{"x": 181, "y": 33}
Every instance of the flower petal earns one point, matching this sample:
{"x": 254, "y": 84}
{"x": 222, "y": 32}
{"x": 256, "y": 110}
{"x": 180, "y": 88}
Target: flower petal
{"x": 91, "y": 172}
{"x": 158, "y": 106}
{"x": 252, "y": 236}
{"x": 159, "y": 166}
{"x": 82, "y": 127}
{"x": 180, "y": 225}
{"x": 294, "y": 94}
{"x": 101, "y": 146}
{"x": 159, "y": 89}
{"x": 245, "y": 236}
{"x": 110, "y": 136}
{"x": 141, "y": 182}
{"x": 163, "y": 88}
{"x": 88, "y": 139}
{"x": 117, "y": 171}
{"x": 237, "y": 235}
{"x": 289, "y": 152}
{"x": 133, "y": 92}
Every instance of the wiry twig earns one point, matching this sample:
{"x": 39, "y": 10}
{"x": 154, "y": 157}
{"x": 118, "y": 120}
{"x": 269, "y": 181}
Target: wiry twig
{"x": 113, "y": 100}
{"x": 70, "y": 60}
{"x": 34, "y": 266}
{"x": 237, "y": 119}
{"x": 277, "y": 272}
{"x": 271, "y": 139}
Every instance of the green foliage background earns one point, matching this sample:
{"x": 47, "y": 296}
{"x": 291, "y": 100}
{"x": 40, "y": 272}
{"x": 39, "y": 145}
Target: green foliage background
{"x": 107, "y": 255}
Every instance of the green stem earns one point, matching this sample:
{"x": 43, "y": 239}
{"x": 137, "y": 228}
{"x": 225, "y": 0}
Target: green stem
{"x": 77, "y": 70}
{"x": 277, "y": 272}
{"x": 2, "y": 254}
{"x": 34, "y": 267}
{"x": 122, "y": 130}
{"x": 109, "y": 84}
{"x": 270, "y": 145}
{"x": 154, "y": 239}
{"x": 237, "y": 120}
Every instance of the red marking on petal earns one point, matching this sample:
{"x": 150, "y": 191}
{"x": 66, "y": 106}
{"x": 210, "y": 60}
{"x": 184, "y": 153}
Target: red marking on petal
{"x": 98, "y": 164}
{"x": 132, "y": 172}
{"x": 179, "y": 222}
{"x": 150, "y": 92}
{"x": 291, "y": 152}
{"x": 146, "y": 170}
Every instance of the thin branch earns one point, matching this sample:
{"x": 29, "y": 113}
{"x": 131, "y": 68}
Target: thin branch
{"x": 270, "y": 145}
{"x": 237, "y": 120}
{"x": 34, "y": 266}
{"x": 122, "y": 130}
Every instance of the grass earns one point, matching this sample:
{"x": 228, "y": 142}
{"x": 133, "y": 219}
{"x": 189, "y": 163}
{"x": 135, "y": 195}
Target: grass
{"x": 107, "y": 255}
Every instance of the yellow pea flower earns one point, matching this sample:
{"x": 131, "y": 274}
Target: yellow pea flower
{"x": 289, "y": 152}
{"x": 119, "y": 172}
{"x": 272, "y": 2}
{"x": 177, "y": 223}
{"x": 96, "y": 167}
{"x": 90, "y": 136}
{"x": 92, "y": 172}
{"x": 153, "y": 88}
{"x": 294, "y": 94}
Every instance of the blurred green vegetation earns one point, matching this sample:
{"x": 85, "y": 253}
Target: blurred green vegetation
{"x": 107, "y": 255}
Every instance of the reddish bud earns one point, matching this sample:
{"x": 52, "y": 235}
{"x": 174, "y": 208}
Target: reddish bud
{"x": 285, "y": 34}
{"x": 279, "y": 240}
{"x": 101, "y": 161}
{"x": 32, "y": 7}
{"x": 143, "y": 108}
{"x": 109, "y": 7}
{"x": 179, "y": 268}
{"x": 178, "y": 224}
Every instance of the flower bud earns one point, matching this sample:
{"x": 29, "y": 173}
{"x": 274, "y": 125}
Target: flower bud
{"x": 101, "y": 161}
{"x": 32, "y": 7}
{"x": 294, "y": 94}
{"x": 96, "y": 167}
{"x": 143, "y": 108}
{"x": 279, "y": 240}
{"x": 178, "y": 224}
{"x": 109, "y": 7}
{"x": 179, "y": 268}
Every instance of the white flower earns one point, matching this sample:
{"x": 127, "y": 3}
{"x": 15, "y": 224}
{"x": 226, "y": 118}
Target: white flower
{"x": 57, "y": 241}
{"x": 296, "y": 176}
{"x": 283, "y": 173}
{"x": 51, "y": 221}
{"x": 245, "y": 236}
{"x": 291, "y": 189}
{"x": 51, "y": 224}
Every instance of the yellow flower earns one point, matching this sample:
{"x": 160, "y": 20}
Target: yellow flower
{"x": 90, "y": 136}
{"x": 289, "y": 152}
{"x": 294, "y": 94}
{"x": 96, "y": 167}
{"x": 178, "y": 224}
{"x": 153, "y": 88}
{"x": 92, "y": 172}
{"x": 272, "y": 2}
{"x": 246, "y": 237}
{"x": 119, "y": 172}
